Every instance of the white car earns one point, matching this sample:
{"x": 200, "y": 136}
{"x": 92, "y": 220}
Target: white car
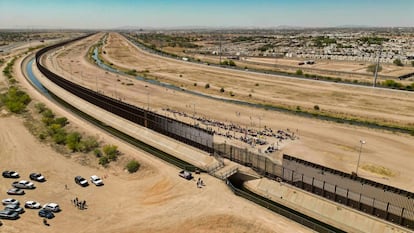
{"x": 52, "y": 207}
{"x": 96, "y": 180}
{"x": 23, "y": 184}
{"x": 32, "y": 205}
{"x": 10, "y": 201}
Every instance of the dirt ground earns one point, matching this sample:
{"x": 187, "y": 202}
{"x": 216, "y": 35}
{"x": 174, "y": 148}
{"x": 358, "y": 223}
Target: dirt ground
{"x": 155, "y": 199}
{"x": 333, "y": 145}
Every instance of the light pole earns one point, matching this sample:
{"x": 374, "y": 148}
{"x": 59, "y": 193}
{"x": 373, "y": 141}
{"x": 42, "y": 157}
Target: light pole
{"x": 362, "y": 142}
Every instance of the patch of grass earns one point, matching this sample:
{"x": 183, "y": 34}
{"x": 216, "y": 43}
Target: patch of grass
{"x": 380, "y": 170}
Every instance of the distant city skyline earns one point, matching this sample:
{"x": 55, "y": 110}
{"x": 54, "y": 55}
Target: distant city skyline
{"x": 106, "y": 14}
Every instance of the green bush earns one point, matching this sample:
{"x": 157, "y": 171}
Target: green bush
{"x": 97, "y": 152}
{"x": 316, "y": 107}
{"x": 62, "y": 121}
{"x": 398, "y": 62}
{"x": 103, "y": 161}
{"x": 59, "y": 137}
{"x": 15, "y": 100}
{"x": 222, "y": 89}
{"x": 111, "y": 151}
{"x": 132, "y": 166}
{"x": 88, "y": 144}
{"x": 299, "y": 72}
{"x": 72, "y": 141}
{"x": 41, "y": 107}
{"x": 48, "y": 113}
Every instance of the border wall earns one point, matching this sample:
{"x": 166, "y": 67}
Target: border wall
{"x": 196, "y": 137}
{"x": 383, "y": 201}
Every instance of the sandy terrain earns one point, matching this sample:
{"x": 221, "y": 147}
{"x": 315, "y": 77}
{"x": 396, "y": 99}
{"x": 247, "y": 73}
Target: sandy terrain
{"x": 154, "y": 199}
{"x": 326, "y": 143}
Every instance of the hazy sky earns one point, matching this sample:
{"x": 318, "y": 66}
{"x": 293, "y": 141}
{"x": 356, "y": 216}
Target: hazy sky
{"x": 212, "y": 13}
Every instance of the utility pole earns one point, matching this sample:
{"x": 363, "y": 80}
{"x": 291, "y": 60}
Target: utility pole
{"x": 362, "y": 142}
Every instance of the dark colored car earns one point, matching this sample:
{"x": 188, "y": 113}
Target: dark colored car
{"x": 8, "y": 214}
{"x": 10, "y": 174}
{"x": 15, "y": 191}
{"x": 46, "y": 214}
{"x": 81, "y": 181}
{"x": 14, "y": 208}
{"x": 37, "y": 177}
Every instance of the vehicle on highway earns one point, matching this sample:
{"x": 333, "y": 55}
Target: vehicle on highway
{"x": 15, "y": 191}
{"x": 186, "y": 174}
{"x": 52, "y": 207}
{"x": 37, "y": 177}
{"x": 10, "y": 174}
{"x": 32, "y": 205}
{"x": 96, "y": 180}
{"x": 15, "y": 208}
{"x": 23, "y": 184}
{"x": 81, "y": 181}
{"x": 44, "y": 213}
{"x": 10, "y": 201}
{"x": 8, "y": 214}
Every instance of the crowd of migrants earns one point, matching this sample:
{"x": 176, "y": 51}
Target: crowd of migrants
{"x": 251, "y": 136}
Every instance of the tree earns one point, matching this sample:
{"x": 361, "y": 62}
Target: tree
{"x": 222, "y": 89}
{"x": 132, "y": 166}
{"x": 207, "y": 86}
{"x": 398, "y": 62}
{"x": 299, "y": 72}
{"x": 316, "y": 107}
{"x": 371, "y": 68}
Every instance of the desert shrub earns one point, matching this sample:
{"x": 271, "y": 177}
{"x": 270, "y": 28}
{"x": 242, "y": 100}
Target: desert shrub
{"x": 59, "y": 137}
{"x": 15, "y": 100}
{"x": 97, "y": 152}
{"x": 62, "y": 121}
{"x": 103, "y": 161}
{"x": 222, "y": 89}
{"x": 398, "y": 62}
{"x": 132, "y": 166}
{"x": 72, "y": 141}
{"x": 111, "y": 151}
{"x": 40, "y": 107}
{"x": 207, "y": 86}
{"x": 316, "y": 107}
{"x": 299, "y": 72}
{"x": 88, "y": 144}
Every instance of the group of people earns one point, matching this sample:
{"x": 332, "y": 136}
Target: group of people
{"x": 250, "y": 136}
{"x": 80, "y": 204}
{"x": 200, "y": 183}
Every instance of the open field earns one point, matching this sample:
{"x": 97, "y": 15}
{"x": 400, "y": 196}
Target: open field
{"x": 326, "y": 143}
{"x": 155, "y": 199}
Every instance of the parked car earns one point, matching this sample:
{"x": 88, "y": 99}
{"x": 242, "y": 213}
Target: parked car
{"x": 81, "y": 181}
{"x": 15, "y": 208}
{"x": 37, "y": 177}
{"x": 15, "y": 191}
{"x": 9, "y": 201}
{"x": 186, "y": 174}
{"x": 52, "y": 207}
{"x": 44, "y": 213}
{"x": 10, "y": 174}
{"x": 8, "y": 214}
{"x": 96, "y": 180}
{"x": 23, "y": 184}
{"x": 32, "y": 205}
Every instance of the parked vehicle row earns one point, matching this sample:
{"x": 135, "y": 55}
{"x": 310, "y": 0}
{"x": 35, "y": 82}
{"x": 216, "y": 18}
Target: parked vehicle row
{"x": 83, "y": 182}
{"x": 12, "y": 209}
{"x": 33, "y": 176}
